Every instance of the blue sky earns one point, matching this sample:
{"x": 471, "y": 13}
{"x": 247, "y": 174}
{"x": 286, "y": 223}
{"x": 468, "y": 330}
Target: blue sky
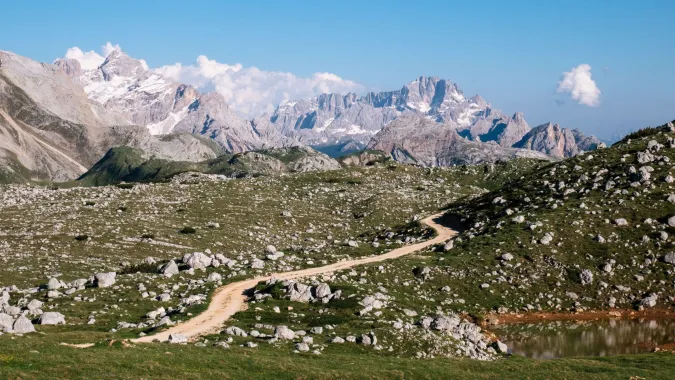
{"x": 513, "y": 53}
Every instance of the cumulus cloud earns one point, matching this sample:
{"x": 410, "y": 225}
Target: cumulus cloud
{"x": 580, "y": 85}
{"x": 251, "y": 91}
{"x": 90, "y": 60}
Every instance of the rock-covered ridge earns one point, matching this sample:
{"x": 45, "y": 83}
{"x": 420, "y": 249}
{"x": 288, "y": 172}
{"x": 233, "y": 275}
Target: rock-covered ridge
{"x": 588, "y": 232}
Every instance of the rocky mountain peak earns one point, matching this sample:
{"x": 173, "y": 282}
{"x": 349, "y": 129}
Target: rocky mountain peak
{"x": 518, "y": 117}
{"x": 557, "y": 141}
{"x": 117, "y": 63}
{"x": 479, "y": 101}
{"x": 70, "y": 67}
{"x": 335, "y": 102}
{"x": 185, "y": 95}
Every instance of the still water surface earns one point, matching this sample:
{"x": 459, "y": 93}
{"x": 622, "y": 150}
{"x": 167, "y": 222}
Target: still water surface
{"x": 557, "y": 339}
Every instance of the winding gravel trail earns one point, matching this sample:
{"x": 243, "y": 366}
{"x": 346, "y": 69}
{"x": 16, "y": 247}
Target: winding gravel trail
{"x": 229, "y": 299}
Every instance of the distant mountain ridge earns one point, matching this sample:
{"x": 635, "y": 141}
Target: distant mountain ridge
{"x": 343, "y": 123}
{"x": 332, "y": 123}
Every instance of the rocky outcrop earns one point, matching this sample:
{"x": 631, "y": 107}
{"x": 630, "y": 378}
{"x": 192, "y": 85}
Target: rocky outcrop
{"x": 503, "y": 131}
{"x": 556, "y": 141}
{"x": 417, "y": 140}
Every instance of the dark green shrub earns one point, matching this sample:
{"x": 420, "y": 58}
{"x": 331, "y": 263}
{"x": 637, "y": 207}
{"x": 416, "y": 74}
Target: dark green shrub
{"x": 188, "y": 230}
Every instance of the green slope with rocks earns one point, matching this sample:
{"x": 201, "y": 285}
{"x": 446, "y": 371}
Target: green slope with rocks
{"x": 589, "y": 232}
{"x": 593, "y": 231}
{"x": 125, "y": 164}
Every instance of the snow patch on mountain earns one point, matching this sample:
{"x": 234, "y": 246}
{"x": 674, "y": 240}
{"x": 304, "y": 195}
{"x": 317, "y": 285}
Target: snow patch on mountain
{"x": 167, "y": 125}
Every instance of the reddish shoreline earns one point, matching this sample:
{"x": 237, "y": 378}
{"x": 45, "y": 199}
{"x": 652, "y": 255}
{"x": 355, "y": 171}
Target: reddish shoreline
{"x": 495, "y": 319}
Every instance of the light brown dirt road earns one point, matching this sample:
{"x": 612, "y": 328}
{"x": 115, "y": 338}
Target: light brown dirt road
{"x": 229, "y": 299}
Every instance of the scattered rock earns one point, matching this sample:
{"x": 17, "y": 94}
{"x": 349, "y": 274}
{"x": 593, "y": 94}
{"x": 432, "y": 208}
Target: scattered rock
{"x": 105, "y": 280}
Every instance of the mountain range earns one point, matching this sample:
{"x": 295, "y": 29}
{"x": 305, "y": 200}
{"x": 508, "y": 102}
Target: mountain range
{"x": 57, "y": 120}
{"x": 50, "y": 130}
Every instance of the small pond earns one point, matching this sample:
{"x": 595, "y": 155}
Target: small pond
{"x": 557, "y": 339}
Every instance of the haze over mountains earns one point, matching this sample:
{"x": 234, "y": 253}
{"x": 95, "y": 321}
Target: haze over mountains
{"x": 58, "y": 119}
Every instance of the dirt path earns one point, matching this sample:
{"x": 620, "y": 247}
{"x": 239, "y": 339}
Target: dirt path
{"x": 229, "y": 299}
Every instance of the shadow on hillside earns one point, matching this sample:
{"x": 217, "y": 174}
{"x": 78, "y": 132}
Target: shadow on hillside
{"x": 452, "y": 221}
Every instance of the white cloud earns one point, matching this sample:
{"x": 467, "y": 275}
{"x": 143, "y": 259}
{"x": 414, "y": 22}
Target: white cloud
{"x": 248, "y": 90}
{"x": 251, "y": 91}
{"x": 109, "y": 48}
{"x": 91, "y": 59}
{"x": 580, "y": 85}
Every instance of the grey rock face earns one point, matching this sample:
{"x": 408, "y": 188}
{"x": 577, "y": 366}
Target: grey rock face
{"x": 502, "y": 130}
{"x": 443, "y": 322}
{"x": 236, "y": 331}
{"x": 369, "y": 339}
{"x": 34, "y": 305}
{"x": 52, "y": 318}
{"x": 416, "y": 139}
{"x": 302, "y": 347}
{"x": 671, "y": 221}
{"x": 51, "y": 89}
{"x": 118, "y": 64}
{"x": 197, "y": 260}
{"x": 22, "y": 325}
{"x": 501, "y": 347}
{"x": 6, "y": 322}
{"x": 558, "y": 142}
{"x": 300, "y": 292}
{"x": 105, "y": 280}
{"x": 650, "y": 300}
{"x": 257, "y": 264}
{"x": 586, "y": 277}
{"x": 283, "y": 332}
{"x": 315, "y": 162}
{"x": 69, "y": 67}
{"x": 169, "y": 269}
{"x": 669, "y": 258}
{"x": 54, "y": 284}
{"x": 322, "y": 290}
